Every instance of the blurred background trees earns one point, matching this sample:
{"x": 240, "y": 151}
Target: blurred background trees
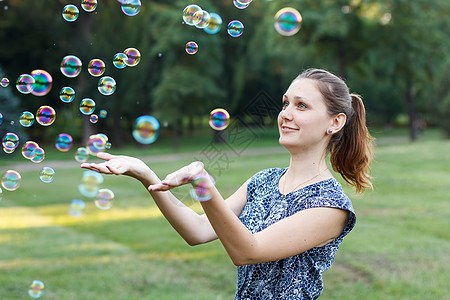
{"x": 395, "y": 53}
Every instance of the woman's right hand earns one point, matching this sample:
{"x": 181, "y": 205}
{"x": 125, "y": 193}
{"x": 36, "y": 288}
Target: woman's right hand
{"x": 121, "y": 165}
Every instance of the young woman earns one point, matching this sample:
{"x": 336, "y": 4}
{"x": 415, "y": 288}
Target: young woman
{"x": 282, "y": 227}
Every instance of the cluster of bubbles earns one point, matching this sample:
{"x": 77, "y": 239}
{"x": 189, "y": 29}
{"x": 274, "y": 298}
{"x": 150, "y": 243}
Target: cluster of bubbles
{"x": 10, "y": 142}
{"x": 90, "y": 188}
{"x": 45, "y": 116}
{"x": 36, "y": 289}
{"x": 219, "y": 119}
{"x": 33, "y": 152}
{"x": 71, "y": 12}
{"x": 11, "y": 180}
{"x": 38, "y": 83}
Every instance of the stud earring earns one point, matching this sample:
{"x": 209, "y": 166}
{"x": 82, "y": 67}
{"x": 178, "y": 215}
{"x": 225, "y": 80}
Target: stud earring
{"x": 330, "y": 131}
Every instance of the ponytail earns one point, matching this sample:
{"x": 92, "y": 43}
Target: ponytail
{"x": 351, "y": 150}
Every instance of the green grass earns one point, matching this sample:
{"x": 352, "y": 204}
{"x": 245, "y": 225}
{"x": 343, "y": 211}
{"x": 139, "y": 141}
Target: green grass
{"x": 400, "y": 248}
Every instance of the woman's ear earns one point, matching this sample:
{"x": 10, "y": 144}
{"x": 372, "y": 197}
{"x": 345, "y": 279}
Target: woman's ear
{"x": 337, "y": 122}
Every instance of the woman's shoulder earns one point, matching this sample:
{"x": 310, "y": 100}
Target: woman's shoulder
{"x": 329, "y": 193}
{"x": 268, "y": 173}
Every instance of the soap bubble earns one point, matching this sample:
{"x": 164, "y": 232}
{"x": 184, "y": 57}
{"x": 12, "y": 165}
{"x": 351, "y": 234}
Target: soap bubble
{"x": 87, "y": 106}
{"x": 97, "y": 143}
{"x": 146, "y": 129}
{"x": 214, "y": 25}
{"x": 192, "y": 14}
{"x": 244, "y": 2}
{"x": 90, "y": 183}
{"x": 76, "y": 208}
{"x": 71, "y": 66}
{"x": 36, "y": 289}
{"x": 67, "y": 94}
{"x": 191, "y": 47}
{"x": 1, "y": 118}
{"x": 219, "y": 119}
{"x": 70, "y": 13}
{"x": 64, "y": 142}
{"x": 104, "y": 199}
{"x": 47, "y": 174}
{"x": 103, "y": 113}
{"x": 38, "y": 155}
{"x": 96, "y": 67}
{"x": 240, "y": 5}
{"x": 89, "y": 5}
{"x": 11, "y": 180}
{"x": 28, "y": 149}
{"x": 131, "y": 7}
{"x": 119, "y": 60}
{"x": 133, "y": 56}
{"x": 45, "y": 115}
{"x": 287, "y": 21}
{"x": 9, "y": 148}
{"x": 82, "y": 155}
{"x": 42, "y": 82}
{"x": 10, "y": 140}
{"x": 26, "y": 119}
{"x": 201, "y": 188}
{"x": 25, "y": 83}
{"x": 204, "y": 20}
{"x": 235, "y": 28}
{"x": 4, "y": 82}
{"x": 106, "y": 85}
{"x": 93, "y": 118}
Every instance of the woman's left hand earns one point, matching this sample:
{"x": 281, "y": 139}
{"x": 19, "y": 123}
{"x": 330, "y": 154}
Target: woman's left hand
{"x": 180, "y": 177}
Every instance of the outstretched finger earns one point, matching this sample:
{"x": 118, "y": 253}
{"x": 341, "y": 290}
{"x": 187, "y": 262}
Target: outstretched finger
{"x": 160, "y": 187}
{"x": 105, "y": 156}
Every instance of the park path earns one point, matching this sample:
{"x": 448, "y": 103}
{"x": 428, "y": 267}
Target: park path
{"x": 69, "y": 164}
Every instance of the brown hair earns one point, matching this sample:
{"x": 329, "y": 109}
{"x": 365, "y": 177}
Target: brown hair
{"x": 351, "y": 149}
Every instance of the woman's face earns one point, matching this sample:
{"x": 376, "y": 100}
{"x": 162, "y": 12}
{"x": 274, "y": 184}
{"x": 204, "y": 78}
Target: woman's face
{"x": 303, "y": 121}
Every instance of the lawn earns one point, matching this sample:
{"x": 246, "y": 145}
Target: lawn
{"x": 400, "y": 248}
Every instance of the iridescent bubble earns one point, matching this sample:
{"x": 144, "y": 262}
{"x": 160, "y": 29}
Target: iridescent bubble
{"x": 90, "y": 183}
{"x": 201, "y": 189}
{"x": 82, "y": 155}
{"x": 70, "y": 13}
{"x": 204, "y": 20}
{"x": 47, "y": 174}
{"x": 192, "y": 14}
{"x": 104, "y": 199}
{"x": 25, "y": 83}
{"x": 133, "y": 56}
{"x": 1, "y": 118}
{"x": 67, "y": 94}
{"x": 10, "y": 140}
{"x": 36, "y": 289}
{"x": 11, "y": 180}
{"x": 89, "y": 5}
{"x": 106, "y": 85}
{"x": 9, "y": 149}
{"x": 235, "y": 28}
{"x": 219, "y": 119}
{"x": 42, "y": 82}
{"x": 108, "y": 145}
{"x": 45, "y": 115}
{"x": 97, "y": 143}
{"x": 28, "y": 149}
{"x": 38, "y": 155}
{"x": 239, "y": 5}
{"x": 119, "y": 60}
{"x": 214, "y": 25}
{"x": 103, "y": 113}
{"x": 26, "y": 119}
{"x": 4, "y": 82}
{"x": 87, "y": 106}
{"x": 96, "y": 67}
{"x": 93, "y": 118}
{"x": 244, "y": 2}
{"x": 146, "y": 129}
{"x": 76, "y": 208}
{"x": 64, "y": 142}
{"x": 71, "y": 66}
{"x": 131, "y": 7}
{"x": 287, "y": 21}
{"x": 191, "y": 47}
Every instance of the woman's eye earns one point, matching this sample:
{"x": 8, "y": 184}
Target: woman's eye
{"x": 302, "y": 105}
{"x": 285, "y": 104}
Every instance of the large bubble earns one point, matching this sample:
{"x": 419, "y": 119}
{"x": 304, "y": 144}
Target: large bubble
{"x": 241, "y": 4}
{"x": 87, "y": 106}
{"x": 146, "y": 129}
{"x": 45, "y": 115}
{"x": 10, "y": 140}
{"x": 38, "y": 155}
{"x": 36, "y": 289}
{"x": 64, "y": 142}
{"x": 131, "y": 7}
{"x": 82, "y": 155}
{"x": 28, "y": 149}
{"x": 25, "y": 83}
{"x": 235, "y": 28}
{"x": 215, "y": 22}
{"x": 47, "y": 174}
{"x": 106, "y": 85}
{"x": 204, "y": 20}
{"x": 219, "y": 119}
{"x": 26, "y": 119}
{"x": 119, "y": 60}
{"x": 71, "y": 66}
{"x": 89, "y": 5}
{"x": 96, "y": 67}
{"x": 90, "y": 183}
{"x": 70, "y": 13}
{"x": 97, "y": 143}
{"x": 67, "y": 94}
{"x": 104, "y": 199}
{"x": 11, "y": 180}
{"x": 287, "y": 21}
{"x": 43, "y": 82}
{"x": 192, "y": 14}
{"x": 133, "y": 56}
{"x": 76, "y": 208}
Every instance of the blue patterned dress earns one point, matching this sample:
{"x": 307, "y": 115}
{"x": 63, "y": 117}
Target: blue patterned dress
{"x": 298, "y": 276}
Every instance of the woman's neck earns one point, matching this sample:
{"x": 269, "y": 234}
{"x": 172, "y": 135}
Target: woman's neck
{"x": 304, "y": 166}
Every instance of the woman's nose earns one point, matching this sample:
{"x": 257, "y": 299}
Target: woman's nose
{"x": 286, "y": 113}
